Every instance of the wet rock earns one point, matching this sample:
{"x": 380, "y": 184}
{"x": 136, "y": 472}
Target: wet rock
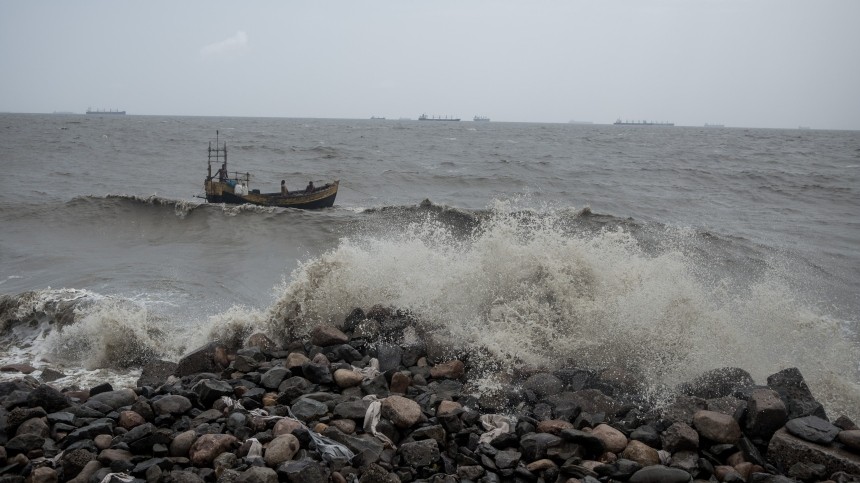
{"x": 792, "y": 388}
{"x": 660, "y": 474}
{"x": 308, "y": 409}
{"x": 115, "y": 399}
{"x": 765, "y": 413}
{"x": 210, "y": 390}
{"x": 812, "y": 428}
{"x": 303, "y": 471}
{"x": 47, "y": 398}
{"x": 613, "y": 440}
{"x": 355, "y": 409}
{"x": 641, "y": 453}
{"x": 317, "y": 373}
{"x": 181, "y": 444}
{"x": 74, "y": 461}
{"x": 787, "y": 450}
{"x": 171, "y": 404}
{"x": 327, "y": 335}
{"x": 717, "y": 427}
{"x": 203, "y": 359}
{"x": 419, "y": 453}
{"x": 273, "y": 378}
{"x": 717, "y": 383}
{"x": 24, "y": 443}
{"x": 403, "y": 412}
{"x": 453, "y": 369}
{"x": 281, "y": 449}
{"x": 851, "y": 439}
{"x": 534, "y": 446}
{"x": 208, "y": 446}
{"x": 34, "y": 426}
{"x": 682, "y": 409}
{"x": 261, "y": 341}
{"x": 679, "y": 437}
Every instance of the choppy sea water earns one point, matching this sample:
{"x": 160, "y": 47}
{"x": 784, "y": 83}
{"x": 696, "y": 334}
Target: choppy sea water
{"x": 669, "y": 250}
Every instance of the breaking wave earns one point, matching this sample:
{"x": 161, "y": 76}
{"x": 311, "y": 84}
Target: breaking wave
{"x": 544, "y": 290}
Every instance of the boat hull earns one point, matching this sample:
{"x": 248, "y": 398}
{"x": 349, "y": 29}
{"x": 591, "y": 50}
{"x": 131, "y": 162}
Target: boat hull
{"x": 218, "y": 192}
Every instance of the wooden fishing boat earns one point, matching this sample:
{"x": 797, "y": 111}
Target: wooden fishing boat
{"x": 234, "y": 188}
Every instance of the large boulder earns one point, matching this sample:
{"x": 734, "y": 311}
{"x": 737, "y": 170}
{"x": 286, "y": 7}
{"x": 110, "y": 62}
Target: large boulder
{"x": 717, "y": 383}
{"x": 208, "y": 446}
{"x": 156, "y": 372}
{"x": 787, "y": 450}
{"x": 203, "y": 359}
{"x": 765, "y": 413}
{"x": 717, "y": 427}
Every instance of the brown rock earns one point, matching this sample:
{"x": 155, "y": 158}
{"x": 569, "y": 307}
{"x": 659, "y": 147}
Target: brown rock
{"x": 270, "y": 399}
{"x": 346, "y": 426}
{"x": 88, "y": 471}
{"x": 281, "y": 449}
{"x": 452, "y": 370}
{"x": 717, "y": 427}
{"x": 448, "y": 407}
{"x": 103, "y": 441}
{"x": 401, "y": 411}
{"x": 345, "y": 378}
{"x": 285, "y": 426}
{"x": 553, "y": 426}
{"x": 541, "y": 465}
{"x": 765, "y": 412}
{"x": 851, "y": 439}
{"x": 208, "y": 446}
{"x": 326, "y": 335}
{"x": 786, "y": 449}
{"x": 745, "y": 469}
{"x": 400, "y": 382}
{"x": 724, "y": 471}
{"x": 108, "y": 456}
{"x": 613, "y": 439}
{"x": 641, "y": 453}
{"x": 130, "y": 419}
{"x": 22, "y": 368}
{"x": 295, "y": 360}
{"x": 679, "y": 437}
{"x": 43, "y": 474}
{"x": 36, "y": 426}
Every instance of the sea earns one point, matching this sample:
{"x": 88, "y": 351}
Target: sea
{"x": 666, "y": 251}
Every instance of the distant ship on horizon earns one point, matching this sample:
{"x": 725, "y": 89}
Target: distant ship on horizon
{"x": 425, "y": 117}
{"x": 377, "y": 118}
{"x": 714, "y": 125}
{"x": 619, "y": 122}
{"x": 102, "y": 111}
{"x": 481, "y": 118}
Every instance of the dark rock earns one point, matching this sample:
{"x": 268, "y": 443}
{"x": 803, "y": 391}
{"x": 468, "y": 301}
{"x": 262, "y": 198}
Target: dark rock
{"x": 304, "y": 470}
{"x": 48, "y": 398}
{"x": 787, "y": 450}
{"x": 717, "y": 383}
{"x": 317, "y": 373}
{"x": 202, "y": 359}
{"x": 171, "y": 404}
{"x": 389, "y": 356}
{"x": 808, "y": 472}
{"x": 660, "y": 474}
{"x": 210, "y": 390}
{"x": 308, "y": 409}
{"x": 792, "y": 388}
{"x": 765, "y": 413}
{"x": 293, "y": 388}
{"x": 419, "y": 453}
{"x": 377, "y": 386}
{"x": 273, "y": 378}
{"x": 812, "y": 428}
{"x": 648, "y": 435}
{"x": 621, "y": 469}
{"x": 534, "y": 446}
{"x": 74, "y": 461}
{"x": 114, "y": 399}
{"x": 679, "y": 437}
{"x": 592, "y": 445}
{"x": 24, "y": 443}
{"x": 258, "y": 474}
{"x": 543, "y": 384}
{"x": 355, "y": 410}
{"x": 365, "y": 445}
{"x": 50, "y": 375}
{"x": 89, "y": 431}
{"x": 682, "y": 409}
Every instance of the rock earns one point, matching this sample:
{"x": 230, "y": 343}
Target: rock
{"x": 35, "y": 426}
{"x": 400, "y": 382}
{"x": 43, "y": 474}
{"x": 130, "y": 419}
{"x": 621, "y": 469}
{"x": 787, "y": 450}
{"x": 115, "y": 399}
{"x": 851, "y": 439}
{"x": 171, "y": 404}
{"x": 202, "y": 359}
{"x": 295, "y": 361}
{"x": 325, "y": 335}
{"x": 553, "y": 426}
{"x": 352, "y": 409}
{"x": 453, "y": 369}
{"x": 682, "y": 409}
{"x": 419, "y": 453}
{"x": 273, "y": 378}
{"x": 207, "y": 447}
{"x": 792, "y": 388}
{"x": 285, "y": 426}
{"x": 680, "y": 436}
{"x": 613, "y": 440}
{"x": 317, "y": 373}
{"x": 24, "y": 443}
{"x": 74, "y": 461}
{"x": 660, "y": 474}
{"x": 281, "y": 449}
{"x": 258, "y": 474}
{"x": 22, "y": 368}
{"x": 534, "y": 446}
{"x": 345, "y": 378}
{"x": 260, "y": 341}
{"x": 717, "y": 427}
{"x": 648, "y": 435}
{"x": 377, "y": 474}
{"x": 765, "y": 412}
{"x": 808, "y": 472}
{"x": 308, "y": 409}
{"x": 303, "y": 471}
{"x": 402, "y": 412}
{"x": 641, "y": 453}
{"x": 812, "y": 428}
{"x": 181, "y": 444}
{"x": 365, "y": 446}
{"x": 48, "y": 398}
{"x": 210, "y": 390}
{"x": 717, "y": 383}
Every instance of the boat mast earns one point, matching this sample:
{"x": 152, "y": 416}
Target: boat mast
{"x": 219, "y": 153}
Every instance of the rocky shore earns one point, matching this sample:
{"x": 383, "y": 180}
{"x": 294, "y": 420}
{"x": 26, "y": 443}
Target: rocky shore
{"x": 344, "y": 405}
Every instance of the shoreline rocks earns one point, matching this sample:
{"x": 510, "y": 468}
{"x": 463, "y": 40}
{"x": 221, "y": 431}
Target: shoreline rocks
{"x": 339, "y": 406}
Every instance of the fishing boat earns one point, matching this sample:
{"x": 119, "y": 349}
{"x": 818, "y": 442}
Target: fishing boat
{"x": 234, "y": 188}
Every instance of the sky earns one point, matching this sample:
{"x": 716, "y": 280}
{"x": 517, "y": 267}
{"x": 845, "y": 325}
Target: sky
{"x": 745, "y": 63}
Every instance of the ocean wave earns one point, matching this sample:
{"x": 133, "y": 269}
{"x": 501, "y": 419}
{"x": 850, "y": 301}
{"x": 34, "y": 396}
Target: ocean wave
{"x": 531, "y": 289}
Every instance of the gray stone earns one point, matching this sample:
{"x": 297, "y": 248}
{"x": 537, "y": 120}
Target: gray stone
{"x": 308, "y": 409}
{"x": 660, "y": 474}
{"x": 534, "y": 445}
{"x": 419, "y": 453}
{"x": 507, "y": 459}
{"x": 765, "y": 413}
{"x": 543, "y": 384}
{"x": 202, "y": 359}
{"x": 273, "y": 378}
{"x": 812, "y": 428}
{"x": 787, "y": 450}
{"x": 304, "y": 470}
{"x": 50, "y": 399}
{"x": 717, "y": 427}
{"x": 792, "y": 388}
{"x": 352, "y": 409}
{"x": 116, "y": 399}
{"x": 258, "y": 474}
{"x": 389, "y": 356}
{"x": 171, "y": 404}
{"x": 210, "y": 390}
{"x": 317, "y": 373}
{"x": 680, "y": 436}
{"x": 155, "y": 373}
{"x": 717, "y": 383}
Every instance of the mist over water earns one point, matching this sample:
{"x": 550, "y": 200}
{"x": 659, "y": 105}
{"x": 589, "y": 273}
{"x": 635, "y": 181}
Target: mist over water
{"x": 667, "y": 252}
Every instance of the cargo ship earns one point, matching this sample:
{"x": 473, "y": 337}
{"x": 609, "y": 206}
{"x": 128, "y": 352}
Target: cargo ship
{"x": 481, "y": 118}
{"x": 102, "y": 111}
{"x": 425, "y": 117}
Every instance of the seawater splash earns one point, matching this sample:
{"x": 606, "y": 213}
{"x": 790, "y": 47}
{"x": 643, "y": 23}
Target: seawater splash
{"x": 532, "y": 290}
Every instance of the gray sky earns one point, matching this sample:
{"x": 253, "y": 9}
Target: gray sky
{"x": 762, "y": 63}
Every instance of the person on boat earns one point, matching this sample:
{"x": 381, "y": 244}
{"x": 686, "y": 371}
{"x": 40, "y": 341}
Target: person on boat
{"x": 222, "y": 173}
{"x": 284, "y": 191}
{"x": 310, "y": 187}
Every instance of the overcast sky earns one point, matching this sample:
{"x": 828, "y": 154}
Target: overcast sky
{"x": 756, "y": 63}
